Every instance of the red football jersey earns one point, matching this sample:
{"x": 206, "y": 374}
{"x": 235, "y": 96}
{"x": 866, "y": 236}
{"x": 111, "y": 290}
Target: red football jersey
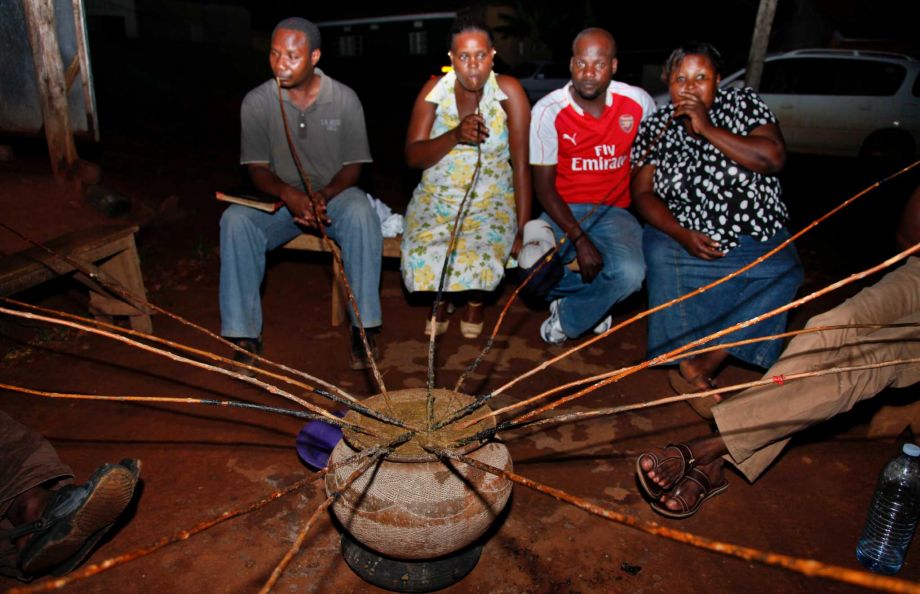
{"x": 591, "y": 155}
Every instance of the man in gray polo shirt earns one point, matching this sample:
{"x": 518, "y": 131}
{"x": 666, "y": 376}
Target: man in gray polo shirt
{"x": 327, "y": 127}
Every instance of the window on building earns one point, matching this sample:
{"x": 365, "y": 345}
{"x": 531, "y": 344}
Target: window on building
{"x": 418, "y": 43}
{"x": 350, "y": 46}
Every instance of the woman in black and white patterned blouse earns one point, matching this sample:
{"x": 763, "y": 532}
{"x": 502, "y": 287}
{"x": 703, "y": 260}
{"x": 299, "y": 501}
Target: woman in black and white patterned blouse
{"x": 706, "y": 186}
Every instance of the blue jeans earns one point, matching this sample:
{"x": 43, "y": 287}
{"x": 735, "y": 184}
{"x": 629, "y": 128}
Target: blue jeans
{"x": 673, "y": 272}
{"x": 618, "y": 237}
{"x": 246, "y": 234}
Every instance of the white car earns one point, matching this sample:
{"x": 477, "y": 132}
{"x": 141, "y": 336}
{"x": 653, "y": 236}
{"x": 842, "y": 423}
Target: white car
{"x": 541, "y": 78}
{"x": 842, "y": 102}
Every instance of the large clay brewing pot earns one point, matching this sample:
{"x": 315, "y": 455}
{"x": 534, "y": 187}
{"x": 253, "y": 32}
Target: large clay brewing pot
{"x": 411, "y": 505}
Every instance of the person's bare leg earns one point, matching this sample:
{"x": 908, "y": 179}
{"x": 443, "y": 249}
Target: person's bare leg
{"x": 474, "y": 308}
{"x": 471, "y": 324}
{"x": 440, "y": 316}
{"x": 441, "y": 313}
{"x": 705, "y": 450}
{"x": 700, "y": 370}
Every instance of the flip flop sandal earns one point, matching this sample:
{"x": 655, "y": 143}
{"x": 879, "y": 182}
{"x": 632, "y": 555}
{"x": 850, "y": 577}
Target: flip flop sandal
{"x": 439, "y": 327}
{"x": 702, "y": 406}
{"x": 687, "y": 463}
{"x": 76, "y": 518}
{"x": 708, "y": 491}
{"x": 471, "y": 329}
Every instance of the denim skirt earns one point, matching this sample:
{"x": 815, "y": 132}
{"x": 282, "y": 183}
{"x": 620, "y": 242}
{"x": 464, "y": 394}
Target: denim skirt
{"x": 672, "y": 272}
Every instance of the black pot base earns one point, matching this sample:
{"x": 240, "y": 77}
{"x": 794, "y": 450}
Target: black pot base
{"x": 399, "y": 575}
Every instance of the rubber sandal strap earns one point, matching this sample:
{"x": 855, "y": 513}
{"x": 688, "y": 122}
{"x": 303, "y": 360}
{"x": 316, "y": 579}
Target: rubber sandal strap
{"x": 24, "y": 529}
{"x": 54, "y": 511}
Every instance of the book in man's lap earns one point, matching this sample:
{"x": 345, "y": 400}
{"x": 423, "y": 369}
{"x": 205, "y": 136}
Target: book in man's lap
{"x": 251, "y": 197}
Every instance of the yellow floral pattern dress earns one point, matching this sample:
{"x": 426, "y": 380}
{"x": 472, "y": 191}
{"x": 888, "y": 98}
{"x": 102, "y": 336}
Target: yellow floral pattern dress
{"x": 489, "y": 226}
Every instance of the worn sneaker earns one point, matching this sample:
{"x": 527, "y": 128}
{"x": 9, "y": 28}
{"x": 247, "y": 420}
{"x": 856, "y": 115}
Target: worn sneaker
{"x": 605, "y": 325}
{"x": 551, "y": 328}
{"x": 358, "y": 359}
{"x": 76, "y": 518}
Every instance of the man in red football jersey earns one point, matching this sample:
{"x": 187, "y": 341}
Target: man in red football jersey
{"x": 580, "y": 139}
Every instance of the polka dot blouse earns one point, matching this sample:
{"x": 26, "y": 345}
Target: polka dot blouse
{"x": 705, "y": 190}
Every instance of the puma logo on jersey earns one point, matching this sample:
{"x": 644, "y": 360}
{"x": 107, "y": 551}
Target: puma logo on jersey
{"x": 569, "y": 138}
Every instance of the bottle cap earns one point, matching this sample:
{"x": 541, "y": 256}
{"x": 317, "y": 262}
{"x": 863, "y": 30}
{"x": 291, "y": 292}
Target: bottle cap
{"x": 911, "y": 450}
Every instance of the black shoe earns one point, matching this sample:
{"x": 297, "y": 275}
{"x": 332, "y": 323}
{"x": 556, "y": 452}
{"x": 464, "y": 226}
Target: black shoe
{"x": 358, "y": 358}
{"x": 75, "y": 519}
{"x": 251, "y": 346}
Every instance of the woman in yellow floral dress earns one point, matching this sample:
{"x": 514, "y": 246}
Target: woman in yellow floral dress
{"x": 469, "y": 111}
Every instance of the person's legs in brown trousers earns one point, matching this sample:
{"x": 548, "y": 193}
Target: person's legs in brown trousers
{"x": 49, "y": 525}
{"x": 757, "y": 423}
{"x": 27, "y": 461}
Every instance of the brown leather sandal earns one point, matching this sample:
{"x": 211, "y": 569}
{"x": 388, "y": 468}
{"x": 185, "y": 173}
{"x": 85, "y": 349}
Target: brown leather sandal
{"x": 681, "y": 385}
{"x": 687, "y": 463}
{"x": 707, "y": 491}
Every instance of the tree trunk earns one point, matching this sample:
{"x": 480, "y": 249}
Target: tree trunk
{"x": 759, "y": 43}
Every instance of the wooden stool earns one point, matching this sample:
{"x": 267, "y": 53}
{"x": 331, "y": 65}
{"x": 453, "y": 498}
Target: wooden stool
{"x": 110, "y": 247}
{"x": 314, "y": 243}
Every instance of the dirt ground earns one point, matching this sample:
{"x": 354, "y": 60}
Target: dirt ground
{"x": 200, "y": 462}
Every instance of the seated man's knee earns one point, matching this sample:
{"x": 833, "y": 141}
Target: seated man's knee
{"x": 841, "y": 315}
{"x": 635, "y": 275}
{"x": 234, "y": 220}
{"x": 825, "y": 343}
{"x": 356, "y": 212}
{"x": 628, "y": 274}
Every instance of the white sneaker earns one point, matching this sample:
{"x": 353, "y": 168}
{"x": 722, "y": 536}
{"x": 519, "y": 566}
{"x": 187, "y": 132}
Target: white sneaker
{"x": 605, "y": 325}
{"x": 551, "y": 328}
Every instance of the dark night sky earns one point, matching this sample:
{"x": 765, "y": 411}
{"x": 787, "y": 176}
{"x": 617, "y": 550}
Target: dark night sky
{"x": 651, "y": 25}
{"x": 646, "y": 31}
{"x": 638, "y": 21}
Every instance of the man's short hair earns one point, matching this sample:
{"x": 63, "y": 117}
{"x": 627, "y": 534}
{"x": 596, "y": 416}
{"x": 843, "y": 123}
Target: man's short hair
{"x": 305, "y": 27}
{"x": 597, "y": 31}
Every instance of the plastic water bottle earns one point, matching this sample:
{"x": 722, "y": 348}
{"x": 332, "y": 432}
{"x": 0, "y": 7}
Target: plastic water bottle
{"x": 893, "y": 514}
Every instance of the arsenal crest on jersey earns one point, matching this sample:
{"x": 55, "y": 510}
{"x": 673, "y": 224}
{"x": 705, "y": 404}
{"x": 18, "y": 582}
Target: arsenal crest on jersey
{"x": 627, "y": 121}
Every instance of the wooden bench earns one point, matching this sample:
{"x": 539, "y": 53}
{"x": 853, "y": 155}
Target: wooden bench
{"x": 313, "y": 243}
{"x": 110, "y": 247}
